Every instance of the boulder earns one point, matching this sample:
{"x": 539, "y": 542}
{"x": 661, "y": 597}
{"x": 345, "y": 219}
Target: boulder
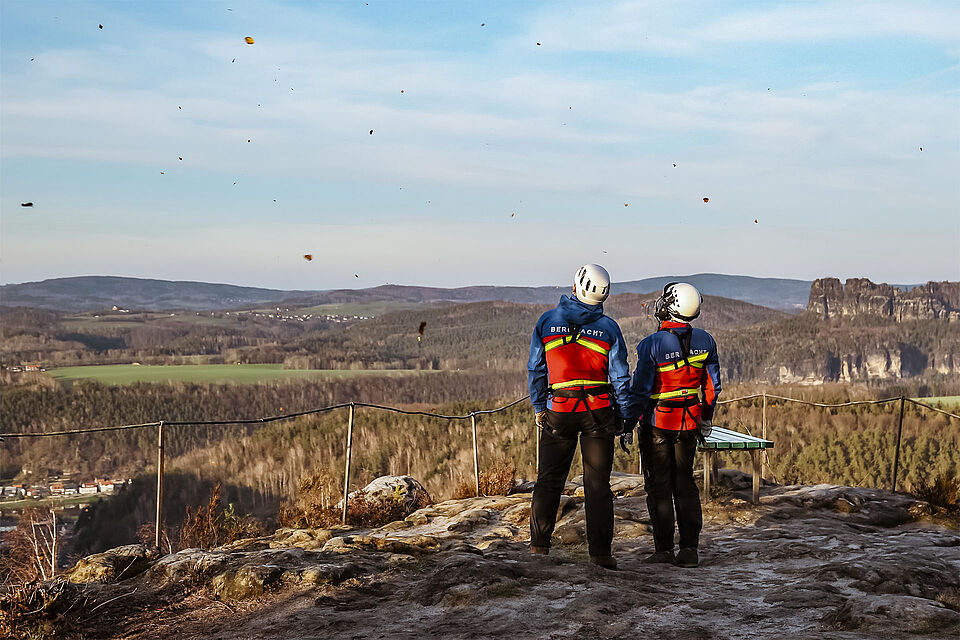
{"x": 398, "y": 488}
{"x": 113, "y": 565}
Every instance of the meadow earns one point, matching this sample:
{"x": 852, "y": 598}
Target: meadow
{"x": 117, "y": 374}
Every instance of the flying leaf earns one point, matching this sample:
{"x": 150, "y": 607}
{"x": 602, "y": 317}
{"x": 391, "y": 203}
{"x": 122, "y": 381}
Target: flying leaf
{"x": 755, "y": 221}
{"x": 423, "y": 325}
{"x": 26, "y": 204}
{"x": 538, "y": 44}
{"x": 356, "y": 275}
{"x": 249, "y": 40}
{"x": 180, "y": 158}
{"x": 921, "y": 148}
{"x": 371, "y": 131}
{"x": 483, "y": 24}
{"x": 706, "y": 199}
{"x": 232, "y": 61}
{"x": 161, "y": 173}
{"x": 307, "y": 256}
{"x": 626, "y": 204}
{"x": 674, "y": 165}
{"x": 101, "y": 26}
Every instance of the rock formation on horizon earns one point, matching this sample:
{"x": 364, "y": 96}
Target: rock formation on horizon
{"x": 860, "y": 296}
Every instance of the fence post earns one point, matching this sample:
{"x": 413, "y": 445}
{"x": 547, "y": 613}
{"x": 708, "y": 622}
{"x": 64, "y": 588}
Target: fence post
{"x": 763, "y": 431}
{"x": 536, "y": 446}
{"x": 476, "y": 453}
{"x": 159, "y": 522}
{"x": 896, "y": 457}
{"x": 346, "y": 469}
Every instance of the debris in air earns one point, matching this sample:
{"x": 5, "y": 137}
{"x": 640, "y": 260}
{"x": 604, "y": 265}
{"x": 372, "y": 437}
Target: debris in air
{"x": 674, "y": 165}
{"x": 921, "y": 148}
{"x": 483, "y": 24}
{"x": 248, "y": 139}
{"x": 513, "y": 214}
{"x": 161, "y": 173}
{"x": 423, "y": 325}
{"x": 356, "y": 275}
{"x": 248, "y": 40}
{"x": 538, "y": 44}
{"x": 626, "y": 204}
{"x": 307, "y": 256}
{"x": 179, "y": 107}
{"x": 180, "y": 158}
{"x": 401, "y": 90}
{"x": 232, "y": 61}
{"x": 26, "y": 204}
{"x": 706, "y": 199}
{"x": 31, "y": 59}
{"x": 755, "y": 221}
{"x": 371, "y": 131}
{"x": 101, "y": 26}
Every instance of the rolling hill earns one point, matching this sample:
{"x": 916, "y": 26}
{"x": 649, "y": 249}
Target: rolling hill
{"x": 89, "y": 293}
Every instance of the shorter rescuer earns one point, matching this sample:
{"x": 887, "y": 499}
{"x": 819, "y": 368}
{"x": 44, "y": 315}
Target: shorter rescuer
{"x": 674, "y": 393}
{"x": 578, "y": 375}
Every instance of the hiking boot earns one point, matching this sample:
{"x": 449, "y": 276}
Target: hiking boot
{"x": 660, "y": 557}
{"x": 607, "y": 562}
{"x": 539, "y": 551}
{"x": 687, "y": 557}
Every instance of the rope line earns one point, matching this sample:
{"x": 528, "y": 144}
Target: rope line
{"x": 290, "y": 416}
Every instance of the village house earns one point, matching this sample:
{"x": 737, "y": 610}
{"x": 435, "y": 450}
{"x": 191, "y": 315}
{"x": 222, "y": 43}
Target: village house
{"x": 87, "y": 488}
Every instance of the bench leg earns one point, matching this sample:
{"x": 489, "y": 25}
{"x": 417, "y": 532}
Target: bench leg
{"x": 755, "y": 458}
{"x": 707, "y": 468}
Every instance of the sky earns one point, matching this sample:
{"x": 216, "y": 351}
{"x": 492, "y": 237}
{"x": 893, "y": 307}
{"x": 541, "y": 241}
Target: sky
{"x": 511, "y": 141}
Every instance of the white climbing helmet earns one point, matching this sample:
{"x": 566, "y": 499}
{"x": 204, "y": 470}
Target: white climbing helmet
{"x": 679, "y": 302}
{"x": 591, "y": 285}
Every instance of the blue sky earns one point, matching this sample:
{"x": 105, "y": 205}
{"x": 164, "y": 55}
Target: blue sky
{"x": 494, "y": 159}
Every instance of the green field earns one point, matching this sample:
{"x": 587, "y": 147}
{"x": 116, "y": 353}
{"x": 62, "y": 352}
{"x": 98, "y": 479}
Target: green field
{"x": 223, "y": 373}
{"x": 52, "y": 501}
{"x": 941, "y": 401}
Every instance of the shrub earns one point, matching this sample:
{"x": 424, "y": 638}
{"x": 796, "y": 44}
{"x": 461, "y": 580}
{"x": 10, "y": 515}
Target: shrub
{"x": 943, "y": 493}
{"x": 214, "y": 526}
{"x": 498, "y": 480}
{"x": 314, "y": 508}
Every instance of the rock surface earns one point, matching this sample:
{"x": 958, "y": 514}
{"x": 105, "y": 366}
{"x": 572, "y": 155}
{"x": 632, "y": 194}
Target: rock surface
{"x": 821, "y": 561}
{"x": 859, "y": 296}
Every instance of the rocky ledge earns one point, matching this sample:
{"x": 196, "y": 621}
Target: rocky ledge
{"x": 822, "y": 561}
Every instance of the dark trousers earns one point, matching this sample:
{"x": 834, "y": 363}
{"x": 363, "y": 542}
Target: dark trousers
{"x": 558, "y": 443}
{"x": 668, "y": 478}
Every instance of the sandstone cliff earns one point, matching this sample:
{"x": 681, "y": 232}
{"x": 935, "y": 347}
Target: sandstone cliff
{"x": 932, "y": 301}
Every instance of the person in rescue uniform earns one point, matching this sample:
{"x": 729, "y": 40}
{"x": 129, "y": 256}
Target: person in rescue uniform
{"x": 579, "y": 377}
{"x": 673, "y": 395}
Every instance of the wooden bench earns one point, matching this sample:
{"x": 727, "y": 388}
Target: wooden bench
{"x": 724, "y": 440}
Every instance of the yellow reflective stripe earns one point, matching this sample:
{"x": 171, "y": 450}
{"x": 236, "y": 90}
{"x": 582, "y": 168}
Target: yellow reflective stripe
{"x": 694, "y": 361}
{"x": 592, "y": 346}
{"x": 576, "y": 383}
{"x": 674, "y": 394}
{"x": 559, "y": 342}
{"x": 553, "y": 344}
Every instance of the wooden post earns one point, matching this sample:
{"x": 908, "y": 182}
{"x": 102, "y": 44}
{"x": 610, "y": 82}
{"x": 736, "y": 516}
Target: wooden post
{"x": 346, "y": 468}
{"x": 707, "y": 468}
{"x": 159, "y": 522}
{"x": 763, "y": 434}
{"x": 476, "y": 453}
{"x": 536, "y": 446}
{"x": 639, "y": 459}
{"x": 755, "y": 459}
{"x": 896, "y": 457}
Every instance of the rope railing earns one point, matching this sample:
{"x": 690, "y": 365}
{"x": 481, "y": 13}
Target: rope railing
{"x": 472, "y": 416}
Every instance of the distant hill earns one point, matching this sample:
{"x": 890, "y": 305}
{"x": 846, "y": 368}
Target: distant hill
{"x": 89, "y": 293}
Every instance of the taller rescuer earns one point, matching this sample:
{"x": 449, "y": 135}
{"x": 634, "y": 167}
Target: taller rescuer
{"x": 578, "y": 377}
{"x": 674, "y": 392}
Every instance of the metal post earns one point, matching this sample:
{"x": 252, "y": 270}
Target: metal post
{"x": 346, "y": 469}
{"x": 755, "y": 459}
{"x": 763, "y": 434}
{"x": 896, "y": 457}
{"x": 159, "y": 522}
{"x": 476, "y": 453}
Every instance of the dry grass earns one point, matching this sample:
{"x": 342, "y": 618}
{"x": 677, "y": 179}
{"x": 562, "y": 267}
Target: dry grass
{"x": 213, "y": 525}
{"x": 497, "y": 480}
{"x": 943, "y": 493}
{"x": 314, "y": 506}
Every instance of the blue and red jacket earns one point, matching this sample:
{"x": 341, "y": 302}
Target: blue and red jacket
{"x": 677, "y": 380}
{"x": 576, "y": 348}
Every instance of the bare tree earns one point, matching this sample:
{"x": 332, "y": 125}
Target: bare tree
{"x": 34, "y": 547}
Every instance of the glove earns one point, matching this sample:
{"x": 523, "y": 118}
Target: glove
{"x": 626, "y": 439}
{"x": 541, "y": 418}
{"x": 706, "y": 428}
